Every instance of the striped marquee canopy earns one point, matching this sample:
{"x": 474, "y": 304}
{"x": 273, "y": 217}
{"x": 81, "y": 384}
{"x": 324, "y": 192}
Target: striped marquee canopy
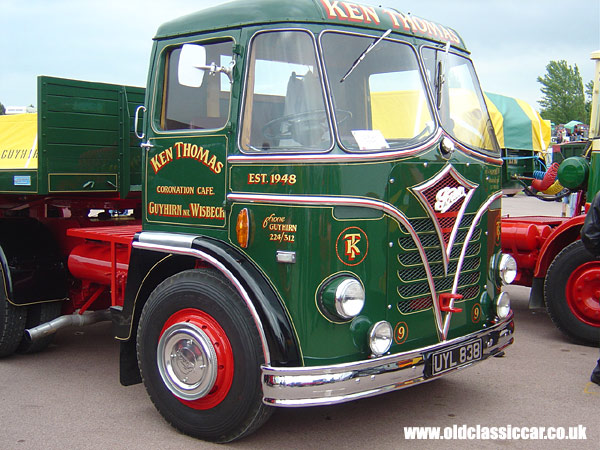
{"x": 518, "y": 126}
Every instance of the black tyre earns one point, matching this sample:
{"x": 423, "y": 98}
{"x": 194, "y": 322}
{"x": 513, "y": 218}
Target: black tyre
{"x": 36, "y": 315}
{"x": 572, "y": 291}
{"x": 199, "y": 354}
{"x": 12, "y": 323}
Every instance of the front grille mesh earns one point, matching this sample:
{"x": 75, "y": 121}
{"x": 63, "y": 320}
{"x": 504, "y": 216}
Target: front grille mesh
{"x": 413, "y": 258}
{"x": 423, "y": 303}
{"x": 431, "y": 239}
{"x": 437, "y": 270}
{"x": 442, "y": 284}
{"x": 413, "y": 288}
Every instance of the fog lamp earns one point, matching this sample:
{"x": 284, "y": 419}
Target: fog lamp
{"x": 507, "y": 268}
{"x": 503, "y": 305}
{"x": 342, "y": 298}
{"x": 380, "y": 337}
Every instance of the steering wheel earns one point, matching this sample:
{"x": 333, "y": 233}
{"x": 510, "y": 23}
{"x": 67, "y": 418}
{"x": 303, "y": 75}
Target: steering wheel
{"x": 304, "y": 127}
{"x": 429, "y": 127}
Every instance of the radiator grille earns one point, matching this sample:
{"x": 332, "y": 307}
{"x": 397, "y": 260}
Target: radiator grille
{"x": 423, "y": 303}
{"x": 412, "y": 286}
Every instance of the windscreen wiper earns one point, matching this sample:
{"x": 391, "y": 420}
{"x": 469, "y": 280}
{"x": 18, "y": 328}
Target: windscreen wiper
{"x": 363, "y": 54}
{"x": 441, "y": 75}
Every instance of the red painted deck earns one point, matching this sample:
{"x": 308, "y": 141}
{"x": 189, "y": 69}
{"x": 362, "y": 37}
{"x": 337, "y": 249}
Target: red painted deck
{"x": 121, "y": 234}
{"x": 536, "y": 220}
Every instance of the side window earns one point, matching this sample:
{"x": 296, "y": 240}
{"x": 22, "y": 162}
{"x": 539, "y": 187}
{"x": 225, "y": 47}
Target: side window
{"x": 284, "y": 108}
{"x": 203, "y": 107}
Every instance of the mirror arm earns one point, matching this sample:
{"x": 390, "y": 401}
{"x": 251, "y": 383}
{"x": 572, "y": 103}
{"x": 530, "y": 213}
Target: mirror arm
{"x": 229, "y": 70}
{"x": 213, "y": 69}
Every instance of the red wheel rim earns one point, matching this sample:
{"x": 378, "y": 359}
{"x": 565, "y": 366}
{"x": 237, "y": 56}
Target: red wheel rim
{"x": 207, "y": 351}
{"x": 583, "y": 293}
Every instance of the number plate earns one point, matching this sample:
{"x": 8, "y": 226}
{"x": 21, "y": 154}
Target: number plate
{"x": 454, "y": 357}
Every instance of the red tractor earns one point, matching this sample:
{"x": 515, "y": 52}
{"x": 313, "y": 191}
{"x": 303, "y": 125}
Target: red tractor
{"x": 563, "y": 276}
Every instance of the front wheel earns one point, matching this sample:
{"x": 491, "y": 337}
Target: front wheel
{"x": 200, "y": 353}
{"x": 572, "y": 294}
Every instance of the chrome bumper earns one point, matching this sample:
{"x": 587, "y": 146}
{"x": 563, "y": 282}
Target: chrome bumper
{"x": 325, "y": 385}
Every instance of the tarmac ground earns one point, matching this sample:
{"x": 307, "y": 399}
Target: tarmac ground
{"x": 69, "y": 396}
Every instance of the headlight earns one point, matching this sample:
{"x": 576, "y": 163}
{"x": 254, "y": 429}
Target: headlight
{"x": 507, "y": 269}
{"x": 380, "y": 337}
{"x": 349, "y": 298}
{"x": 503, "y": 305}
{"x": 342, "y": 298}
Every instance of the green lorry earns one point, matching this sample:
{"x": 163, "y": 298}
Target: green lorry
{"x": 309, "y": 214}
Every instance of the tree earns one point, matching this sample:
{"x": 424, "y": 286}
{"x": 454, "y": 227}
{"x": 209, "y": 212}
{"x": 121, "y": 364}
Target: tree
{"x": 563, "y": 98}
{"x": 2, "y": 110}
{"x": 589, "y": 89}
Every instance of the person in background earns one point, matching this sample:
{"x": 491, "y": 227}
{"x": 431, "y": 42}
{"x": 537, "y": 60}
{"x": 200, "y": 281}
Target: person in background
{"x": 590, "y": 236}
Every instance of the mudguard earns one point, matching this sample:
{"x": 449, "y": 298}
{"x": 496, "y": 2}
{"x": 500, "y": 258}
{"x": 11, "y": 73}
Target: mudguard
{"x": 561, "y": 236}
{"x": 156, "y": 256}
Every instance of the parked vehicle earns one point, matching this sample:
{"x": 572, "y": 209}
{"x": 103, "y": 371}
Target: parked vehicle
{"x": 313, "y": 215}
{"x": 551, "y": 259}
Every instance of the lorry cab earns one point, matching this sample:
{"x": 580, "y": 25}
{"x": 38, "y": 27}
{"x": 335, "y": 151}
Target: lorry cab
{"x": 320, "y": 214}
{"x": 335, "y": 164}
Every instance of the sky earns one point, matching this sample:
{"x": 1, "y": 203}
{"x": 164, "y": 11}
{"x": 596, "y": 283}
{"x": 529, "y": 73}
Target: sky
{"x": 511, "y": 41}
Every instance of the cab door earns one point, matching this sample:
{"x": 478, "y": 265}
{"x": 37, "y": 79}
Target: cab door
{"x": 189, "y": 134}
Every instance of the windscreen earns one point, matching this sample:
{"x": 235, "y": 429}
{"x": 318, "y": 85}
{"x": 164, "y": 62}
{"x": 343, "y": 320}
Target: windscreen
{"x": 379, "y": 96}
{"x": 459, "y": 100}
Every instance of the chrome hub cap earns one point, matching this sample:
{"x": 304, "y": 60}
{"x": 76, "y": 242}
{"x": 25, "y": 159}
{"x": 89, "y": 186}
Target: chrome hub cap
{"x": 187, "y": 361}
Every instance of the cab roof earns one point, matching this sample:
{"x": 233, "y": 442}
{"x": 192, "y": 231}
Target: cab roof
{"x": 239, "y": 13}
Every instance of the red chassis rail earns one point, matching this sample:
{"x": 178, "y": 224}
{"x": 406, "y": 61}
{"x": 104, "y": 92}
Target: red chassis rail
{"x": 534, "y": 241}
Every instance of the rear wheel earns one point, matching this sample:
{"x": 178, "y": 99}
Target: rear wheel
{"x": 12, "y": 323}
{"x": 200, "y": 353}
{"x": 572, "y": 293}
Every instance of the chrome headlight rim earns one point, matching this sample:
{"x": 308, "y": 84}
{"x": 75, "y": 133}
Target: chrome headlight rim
{"x": 380, "y": 337}
{"x": 349, "y": 298}
{"x": 503, "y": 306}
{"x": 507, "y": 269}
{"x": 341, "y": 298}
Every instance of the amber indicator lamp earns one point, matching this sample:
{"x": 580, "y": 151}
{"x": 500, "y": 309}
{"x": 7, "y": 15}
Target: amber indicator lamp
{"x": 242, "y": 228}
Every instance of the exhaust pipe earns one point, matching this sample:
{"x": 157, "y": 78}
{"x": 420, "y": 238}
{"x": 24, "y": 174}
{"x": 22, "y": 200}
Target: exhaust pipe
{"x": 77, "y": 320}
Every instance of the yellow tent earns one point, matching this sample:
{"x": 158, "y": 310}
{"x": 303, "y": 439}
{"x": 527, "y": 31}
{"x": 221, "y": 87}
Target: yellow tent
{"x": 517, "y": 125}
{"x": 403, "y": 114}
{"x": 18, "y": 141}
{"x": 399, "y": 114}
